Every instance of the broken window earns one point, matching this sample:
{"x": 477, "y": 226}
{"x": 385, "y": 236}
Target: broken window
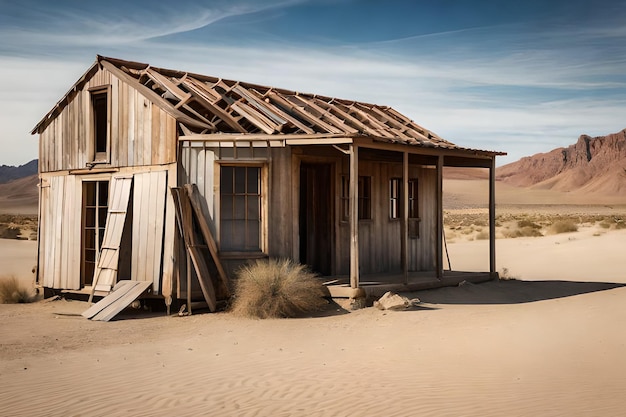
{"x": 395, "y": 201}
{"x": 100, "y": 120}
{"x": 240, "y": 208}
{"x": 414, "y": 219}
{"x": 365, "y": 198}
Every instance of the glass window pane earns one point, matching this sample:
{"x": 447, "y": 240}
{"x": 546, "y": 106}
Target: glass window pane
{"x": 240, "y": 207}
{"x": 240, "y": 180}
{"x": 252, "y": 237}
{"x": 227, "y": 235}
{"x": 226, "y": 180}
{"x": 253, "y": 208}
{"x": 90, "y": 193}
{"x": 227, "y": 207}
{"x": 90, "y": 217}
{"x": 103, "y": 193}
{"x": 253, "y": 180}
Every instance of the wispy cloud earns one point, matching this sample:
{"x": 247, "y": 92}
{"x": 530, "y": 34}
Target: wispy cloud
{"x": 506, "y": 87}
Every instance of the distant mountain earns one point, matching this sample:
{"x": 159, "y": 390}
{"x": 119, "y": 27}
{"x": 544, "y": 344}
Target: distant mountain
{"x": 10, "y": 173}
{"x": 20, "y": 196}
{"x": 592, "y": 165}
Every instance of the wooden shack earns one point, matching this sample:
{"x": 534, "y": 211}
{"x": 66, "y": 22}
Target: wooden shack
{"x": 352, "y": 189}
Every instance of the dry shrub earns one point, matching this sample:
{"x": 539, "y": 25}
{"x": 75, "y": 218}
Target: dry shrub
{"x": 564, "y": 226}
{"x": 13, "y": 292}
{"x": 483, "y": 235}
{"x": 276, "y": 288}
{"x": 522, "y": 232}
{"x": 528, "y": 223}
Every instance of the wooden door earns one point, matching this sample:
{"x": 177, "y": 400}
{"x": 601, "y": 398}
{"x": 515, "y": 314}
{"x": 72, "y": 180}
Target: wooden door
{"x": 316, "y": 217}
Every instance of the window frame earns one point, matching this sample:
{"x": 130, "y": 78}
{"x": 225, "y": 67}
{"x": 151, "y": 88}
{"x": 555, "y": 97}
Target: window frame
{"x": 95, "y": 93}
{"x": 413, "y": 215}
{"x": 364, "y": 202}
{"x": 395, "y": 198}
{"x": 262, "y": 195}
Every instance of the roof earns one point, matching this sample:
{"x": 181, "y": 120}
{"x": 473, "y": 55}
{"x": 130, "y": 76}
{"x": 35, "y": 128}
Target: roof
{"x": 206, "y": 105}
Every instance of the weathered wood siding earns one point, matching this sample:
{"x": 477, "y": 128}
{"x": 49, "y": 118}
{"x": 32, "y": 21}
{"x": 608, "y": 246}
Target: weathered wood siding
{"x": 149, "y": 193}
{"x": 380, "y": 238}
{"x": 153, "y": 227}
{"x": 141, "y": 134}
{"x": 60, "y": 239}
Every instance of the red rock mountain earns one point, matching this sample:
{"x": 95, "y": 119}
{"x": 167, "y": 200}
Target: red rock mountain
{"x": 592, "y": 165}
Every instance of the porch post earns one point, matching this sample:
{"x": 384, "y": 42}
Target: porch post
{"x": 439, "y": 233}
{"x": 354, "y": 215}
{"x": 405, "y": 217}
{"x": 492, "y": 216}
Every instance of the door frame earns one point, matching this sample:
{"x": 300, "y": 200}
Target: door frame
{"x": 331, "y": 204}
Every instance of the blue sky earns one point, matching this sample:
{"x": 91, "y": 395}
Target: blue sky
{"x": 516, "y": 76}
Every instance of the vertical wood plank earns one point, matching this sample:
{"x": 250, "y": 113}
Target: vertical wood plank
{"x": 405, "y": 217}
{"x": 169, "y": 237}
{"x": 439, "y": 234}
{"x": 492, "y": 216}
{"x": 130, "y": 112}
{"x": 354, "y": 216}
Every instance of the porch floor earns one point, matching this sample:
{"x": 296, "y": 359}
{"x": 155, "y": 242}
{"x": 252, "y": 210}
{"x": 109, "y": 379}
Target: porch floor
{"x": 375, "y": 285}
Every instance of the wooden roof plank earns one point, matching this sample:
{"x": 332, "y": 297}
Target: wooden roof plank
{"x": 260, "y": 105}
{"x": 303, "y": 114}
{"x": 295, "y": 122}
{"x": 153, "y": 96}
{"x": 253, "y": 117}
{"x": 202, "y": 90}
{"x": 325, "y": 114}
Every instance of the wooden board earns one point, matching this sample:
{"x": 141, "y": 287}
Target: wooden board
{"x": 196, "y": 203}
{"x": 194, "y": 247}
{"x": 106, "y": 270}
{"x": 124, "y": 293}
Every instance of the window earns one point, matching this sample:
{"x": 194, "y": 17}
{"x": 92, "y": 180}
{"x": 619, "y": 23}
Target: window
{"x": 100, "y": 115}
{"x": 414, "y": 220}
{"x": 345, "y": 198}
{"x": 240, "y": 208}
{"x": 395, "y": 202}
{"x": 365, "y": 198}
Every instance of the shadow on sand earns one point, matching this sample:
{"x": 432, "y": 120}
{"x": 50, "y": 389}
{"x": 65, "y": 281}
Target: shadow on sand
{"x": 511, "y": 291}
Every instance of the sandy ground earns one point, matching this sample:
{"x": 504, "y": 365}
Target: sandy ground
{"x": 549, "y": 343}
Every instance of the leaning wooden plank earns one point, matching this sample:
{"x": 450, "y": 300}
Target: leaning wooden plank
{"x": 116, "y": 216}
{"x": 194, "y": 197}
{"x": 118, "y": 292}
{"x": 131, "y": 294}
{"x": 199, "y": 264}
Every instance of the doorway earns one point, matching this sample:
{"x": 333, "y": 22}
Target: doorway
{"x": 316, "y": 217}
{"x": 95, "y": 206}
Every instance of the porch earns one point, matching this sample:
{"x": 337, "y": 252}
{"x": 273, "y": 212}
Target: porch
{"x": 375, "y": 285}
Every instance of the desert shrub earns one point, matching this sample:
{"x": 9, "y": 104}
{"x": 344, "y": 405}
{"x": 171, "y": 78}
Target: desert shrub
{"x": 527, "y": 223}
{"x": 483, "y": 235}
{"x": 522, "y": 232}
{"x": 564, "y": 226}
{"x": 605, "y": 224}
{"x": 620, "y": 224}
{"x": 12, "y": 291}
{"x": 276, "y": 288}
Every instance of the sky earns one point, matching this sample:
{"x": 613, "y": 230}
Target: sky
{"x": 521, "y": 77}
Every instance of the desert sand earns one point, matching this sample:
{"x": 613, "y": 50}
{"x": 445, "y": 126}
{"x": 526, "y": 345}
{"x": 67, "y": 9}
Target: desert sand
{"x": 549, "y": 343}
